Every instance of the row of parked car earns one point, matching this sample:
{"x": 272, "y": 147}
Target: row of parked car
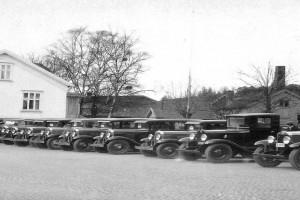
{"x": 257, "y": 135}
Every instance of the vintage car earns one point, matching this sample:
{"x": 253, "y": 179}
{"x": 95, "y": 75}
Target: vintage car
{"x": 81, "y": 138}
{"x": 48, "y": 136}
{"x": 120, "y": 141}
{"x": 284, "y": 148}
{"x": 9, "y": 129}
{"x": 164, "y": 144}
{"x": 219, "y": 146}
{"x": 26, "y": 134}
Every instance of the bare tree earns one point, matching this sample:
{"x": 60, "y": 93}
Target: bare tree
{"x": 101, "y": 63}
{"x": 267, "y": 83}
{"x": 125, "y": 65}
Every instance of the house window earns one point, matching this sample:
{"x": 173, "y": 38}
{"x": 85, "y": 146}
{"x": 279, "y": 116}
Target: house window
{"x": 31, "y": 100}
{"x": 5, "y": 71}
{"x": 284, "y": 103}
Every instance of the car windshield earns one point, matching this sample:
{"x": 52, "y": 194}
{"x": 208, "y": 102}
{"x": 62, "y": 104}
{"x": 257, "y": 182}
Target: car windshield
{"x": 142, "y": 125}
{"x": 102, "y": 125}
{"x": 236, "y": 122}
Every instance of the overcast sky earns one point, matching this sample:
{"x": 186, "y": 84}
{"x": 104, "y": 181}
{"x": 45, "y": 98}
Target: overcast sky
{"x": 214, "y": 38}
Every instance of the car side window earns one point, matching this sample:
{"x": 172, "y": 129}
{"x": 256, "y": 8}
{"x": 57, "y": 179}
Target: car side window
{"x": 263, "y": 122}
{"x": 179, "y": 126}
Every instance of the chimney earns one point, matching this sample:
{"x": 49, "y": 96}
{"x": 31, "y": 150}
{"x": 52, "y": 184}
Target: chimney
{"x": 229, "y": 95}
{"x": 279, "y": 78}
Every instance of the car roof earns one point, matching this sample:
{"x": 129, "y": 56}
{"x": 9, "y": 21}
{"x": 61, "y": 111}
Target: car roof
{"x": 167, "y": 120}
{"x": 208, "y": 121}
{"x": 252, "y": 114}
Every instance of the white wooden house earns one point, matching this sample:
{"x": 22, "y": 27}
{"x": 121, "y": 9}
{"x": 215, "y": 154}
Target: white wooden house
{"x": 29, "y": 91}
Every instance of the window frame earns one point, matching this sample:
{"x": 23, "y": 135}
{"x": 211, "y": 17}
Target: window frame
{"x": 6, "y": 73}
{"x": 33, "y": 103}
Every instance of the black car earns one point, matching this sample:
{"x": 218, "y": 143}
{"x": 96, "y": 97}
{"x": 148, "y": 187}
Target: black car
{"x": 26, "y": 134}
{"x": 46, "y": 137}
{"x": 242, "y": 131}
{"x": 81, "y": 138}
{"x": 284, "y": 148}
{"x": 9, "y": 130}
{"x": 164, "y": 144}
{"x": 119, "y": 141}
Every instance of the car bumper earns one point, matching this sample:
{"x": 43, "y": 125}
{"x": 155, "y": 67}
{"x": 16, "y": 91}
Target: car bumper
{"x": 38, "y": 141}
{"x": 97, "y": 145}
{"x": 19, "y": 140}
{"x": 280, "y": 157}
{"x": 145, "y": 148}
{"x": 64, "y": 144}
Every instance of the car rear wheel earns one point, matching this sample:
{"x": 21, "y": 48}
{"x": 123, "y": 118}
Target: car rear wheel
{"x": 147, "y": 153}
{"x": 294, "y": 159}
{"x": 167, "y": 150}
{"x": 118, "y": 147}
{"x": 218, "y": 153}
{"x": 186, "y": 155}
{"x": 82, "y": 145}
{"x": 52, "y": 143}
{"x": 264, "y": 161}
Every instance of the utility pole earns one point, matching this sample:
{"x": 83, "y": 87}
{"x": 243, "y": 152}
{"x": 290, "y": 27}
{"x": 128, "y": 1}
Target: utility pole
{"x": 189, "y": 89}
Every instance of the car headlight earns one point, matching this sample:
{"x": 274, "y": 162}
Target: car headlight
{"x": 203, "y": 137}
{"x": 75, "y": 132}
{"x": 22, "y": 131}
{"x": 67, "y": 133}
{"x": 7, "y": 131}
{"x": 2, "y": 130}
{"x": 108, "y": 135}
{"x": 150, "y": 136}
{"x": 101, "y": 135}
{"x": 47, "y": 132}
{"x": 286, "y": 139}
{"x": 271, "y": 139}
{"x": 192, "y": 136}
{"x": 13, "y": 131}
{"x": 28, "y": 132}
{"x": 159, "y": 135}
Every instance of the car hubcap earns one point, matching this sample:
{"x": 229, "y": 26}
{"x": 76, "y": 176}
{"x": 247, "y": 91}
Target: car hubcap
{"x": 118, "y": 147}
{"x": 169, "y": 150}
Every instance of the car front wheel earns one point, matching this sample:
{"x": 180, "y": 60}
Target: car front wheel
{"x": 294, "y": 158}
{"x": 167, "y": 150}
{"x": 264, "y": 161}
{"x": 118, "y": 147}
{"x": 52, "y": 143}
{"x": 82, "y": 145}
{"x": 187, "y": 155}
{"x": 218, "y": 153}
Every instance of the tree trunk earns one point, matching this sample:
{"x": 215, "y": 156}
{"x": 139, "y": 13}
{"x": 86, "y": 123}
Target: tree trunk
{"x": 112, "y": 106}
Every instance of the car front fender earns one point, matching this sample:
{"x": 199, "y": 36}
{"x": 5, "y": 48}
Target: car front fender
{"x": 123, "y": 138}
{"x": 230, "y": 143}
{"x": 295, "y": 145}
{"x": 162, "y": 141}
{"x": 184, "y": 140}
{"x": 83, "y": 137}
{"x": 145, "y": 140}
{"x": 262, "y": 143}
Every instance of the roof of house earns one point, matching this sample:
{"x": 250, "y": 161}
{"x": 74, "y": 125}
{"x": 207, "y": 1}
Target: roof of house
{"x": 35, "y": 67}
{"x": 126, "y": 106}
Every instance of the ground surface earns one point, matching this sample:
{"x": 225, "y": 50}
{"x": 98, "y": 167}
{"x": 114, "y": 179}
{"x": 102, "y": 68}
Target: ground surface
{"x": 36, "y": 174}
